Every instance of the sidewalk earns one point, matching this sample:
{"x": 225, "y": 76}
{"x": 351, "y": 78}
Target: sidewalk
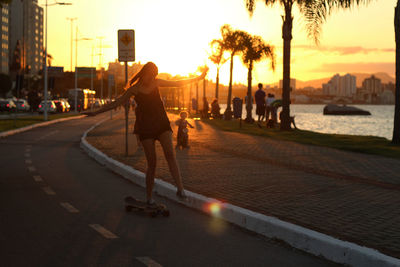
{"x": 350, "y": 196}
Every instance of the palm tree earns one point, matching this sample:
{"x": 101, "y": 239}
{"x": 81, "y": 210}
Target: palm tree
{"x": 218, "y": 59}
{"x": 255, "y": 49}
{"x": 232, "y": 41}
{"x": 315, "y": 13}
{"x": 396, "y": 122}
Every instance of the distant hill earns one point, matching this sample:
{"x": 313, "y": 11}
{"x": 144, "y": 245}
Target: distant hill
{"x": 360, "y": 77}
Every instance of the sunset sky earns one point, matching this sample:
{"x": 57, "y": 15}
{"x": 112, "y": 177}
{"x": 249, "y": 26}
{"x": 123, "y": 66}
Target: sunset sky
{"x": 175, "y": 34}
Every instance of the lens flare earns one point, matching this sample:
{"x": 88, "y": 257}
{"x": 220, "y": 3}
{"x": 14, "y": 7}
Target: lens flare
{"x": 214, "y": 208}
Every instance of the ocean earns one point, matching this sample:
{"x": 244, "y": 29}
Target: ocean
{"x": 310, "y": 117}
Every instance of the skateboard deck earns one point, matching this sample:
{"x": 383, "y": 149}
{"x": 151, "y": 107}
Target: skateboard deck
{"x": 133, "y": 204}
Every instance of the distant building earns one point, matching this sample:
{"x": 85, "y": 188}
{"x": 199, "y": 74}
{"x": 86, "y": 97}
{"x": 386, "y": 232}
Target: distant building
{"x": 4, "y": 41}
{"x": 372, "y": 85}
{"x": 387, "y": 97}
{"x": 389, "y": 86}
{"x": 292, "y": 84}
{"x": 26, "y": 26}
{"x": 340, "y": 86}
{"x": 118, "y": 70}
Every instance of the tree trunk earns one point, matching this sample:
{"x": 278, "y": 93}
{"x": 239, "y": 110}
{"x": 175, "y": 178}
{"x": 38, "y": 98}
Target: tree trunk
{"x": 396, "y": 123}
{"x": 249, "y": 104}
{"x": 217, "y": 84}
{"x": 228, "y": 111}
{"x": 287, "y": 38}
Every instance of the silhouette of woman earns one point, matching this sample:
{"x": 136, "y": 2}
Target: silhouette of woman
{"x": 152, "y": 122}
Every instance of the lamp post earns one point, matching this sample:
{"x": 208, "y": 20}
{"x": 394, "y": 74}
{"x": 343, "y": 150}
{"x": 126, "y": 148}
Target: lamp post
{"x": 45, "y": 58}
{"x": 76, "y": 67}
{"x": 72, "y": 23}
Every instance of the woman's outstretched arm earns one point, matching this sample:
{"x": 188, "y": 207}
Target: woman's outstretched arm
{"x": 118, "y": 101}
{"x": 179, "y": 83}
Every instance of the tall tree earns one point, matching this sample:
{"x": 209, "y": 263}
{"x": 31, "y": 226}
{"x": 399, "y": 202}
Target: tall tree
{"x": 315, "y": 13}
{"x": 396, "y": 122}
{"x": 217, "y": 57}
{"x": 255, "y": 49}
{"x": 233, "y": 43}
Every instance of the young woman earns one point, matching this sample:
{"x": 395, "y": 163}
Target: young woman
{"x": 152, "y": 122}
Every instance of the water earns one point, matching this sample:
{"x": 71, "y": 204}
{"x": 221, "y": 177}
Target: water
{"x": 310, "y": 117}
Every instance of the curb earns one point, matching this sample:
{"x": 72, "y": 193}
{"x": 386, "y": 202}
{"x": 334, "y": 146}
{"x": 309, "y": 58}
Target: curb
{"x": 310, "y": 241}
{"x": 36, "y": 125}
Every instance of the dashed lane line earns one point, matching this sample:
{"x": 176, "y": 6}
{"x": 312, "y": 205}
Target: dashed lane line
{"x": 37, "y": 178}
{"x": 27, "y": 155}
{"x": 31, "y": 168}
{"x": 69, "y": 207}
{"x": 48, "y": 190}
{"x": 103, "y": 231}
{"x": 148, "y": 262}
{"x": 28, "y": 161}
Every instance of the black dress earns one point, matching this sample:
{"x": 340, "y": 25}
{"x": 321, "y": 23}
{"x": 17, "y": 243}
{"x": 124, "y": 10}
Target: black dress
{"x": 151, "y": 118}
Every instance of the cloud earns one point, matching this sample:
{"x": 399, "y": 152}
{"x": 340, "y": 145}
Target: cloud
{"x": 367, "y": 67}
{"x": 345, "y": 50}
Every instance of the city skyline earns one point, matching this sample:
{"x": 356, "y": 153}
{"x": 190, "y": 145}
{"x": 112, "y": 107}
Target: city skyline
{"x": 176, "y": 37}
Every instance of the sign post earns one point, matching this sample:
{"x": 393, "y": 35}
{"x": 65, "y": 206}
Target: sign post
{"x": 126, "y": 52}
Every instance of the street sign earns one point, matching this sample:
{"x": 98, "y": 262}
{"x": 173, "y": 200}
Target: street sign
{"x": 126, "y": 45}
{"x": 86, "y": 72}
{"x": 55, "y": 71}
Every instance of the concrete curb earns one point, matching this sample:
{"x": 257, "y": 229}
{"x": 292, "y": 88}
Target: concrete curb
{"x": 310, "y": 241}
{"x": 41, "y": 124}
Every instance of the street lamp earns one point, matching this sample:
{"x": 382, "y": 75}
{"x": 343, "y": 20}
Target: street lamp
{"x": 45, "y": 58}
{"x": 76, "y": 66}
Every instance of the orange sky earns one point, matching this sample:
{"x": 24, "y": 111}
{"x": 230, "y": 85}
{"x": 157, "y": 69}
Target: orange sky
{"x": 175, "y": 34}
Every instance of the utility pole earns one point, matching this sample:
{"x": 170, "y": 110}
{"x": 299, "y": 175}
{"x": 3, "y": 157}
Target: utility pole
{"x": 101, "y": 64}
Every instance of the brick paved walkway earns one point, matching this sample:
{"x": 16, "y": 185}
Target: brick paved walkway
{"x": 350, "y": 196}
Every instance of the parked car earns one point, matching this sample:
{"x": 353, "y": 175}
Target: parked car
{"x": 51, "y": 107}
{"x": 60, "y": 106}
{"x": 22, "y": 105}
{"x": 7, "y": 105}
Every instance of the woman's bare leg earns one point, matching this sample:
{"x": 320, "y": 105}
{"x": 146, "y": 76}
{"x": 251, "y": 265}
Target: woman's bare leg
{"x": 166, "y": 143}
{"x": 150, "y": 152}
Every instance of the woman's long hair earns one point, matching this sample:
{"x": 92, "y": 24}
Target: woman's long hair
{"x": 148, "y": 69}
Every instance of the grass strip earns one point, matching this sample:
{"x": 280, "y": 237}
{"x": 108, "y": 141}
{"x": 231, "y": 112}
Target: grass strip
{"x": 19, "y": 122}
{"x": 356, "y": 143}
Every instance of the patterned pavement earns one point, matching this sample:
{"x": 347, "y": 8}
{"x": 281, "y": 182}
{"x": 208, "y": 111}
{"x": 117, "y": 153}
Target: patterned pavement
{"x": 351, "y": 196}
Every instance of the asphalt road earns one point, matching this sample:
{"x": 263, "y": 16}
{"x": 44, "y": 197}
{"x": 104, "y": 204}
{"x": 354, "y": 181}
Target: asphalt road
{"x": 58, "y": 207}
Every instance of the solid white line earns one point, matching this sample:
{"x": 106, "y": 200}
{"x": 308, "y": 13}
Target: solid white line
{"x": 103, "y": 231}
{"x": 28, "y": 161}
{"x": 37, "y": 178}
{"x": 48, "y": 190}
{"x": 148, "y": 262}
{"x": 69, "y": 207}
{"x": 31, "y": 168}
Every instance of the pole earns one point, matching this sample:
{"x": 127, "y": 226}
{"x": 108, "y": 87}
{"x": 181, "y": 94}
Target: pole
{"x": 45, "y": 72}
{"x": 76, "y": 70}
{"x": 126, "y": 112}
{"x": 72, "y": 37}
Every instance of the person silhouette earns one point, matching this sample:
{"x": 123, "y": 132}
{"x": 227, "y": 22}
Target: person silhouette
{"x": 152, "y": 122}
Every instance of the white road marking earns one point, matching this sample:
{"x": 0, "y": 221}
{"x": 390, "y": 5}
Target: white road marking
{"x": 47, "y": 135}
{"x": 37, "y": 178}
{"x": 29, "y": 146}
{"x": 148, "y": 262}
{"x": 27, "y": 150}
{"x": 48, "y": 190}
{"x": 31, "y": 168}
{"x": 69, "y": 207}
{"x": 28, "y": 161}
{"x": 27, "y": 155}
{"x": 103, "y": 231}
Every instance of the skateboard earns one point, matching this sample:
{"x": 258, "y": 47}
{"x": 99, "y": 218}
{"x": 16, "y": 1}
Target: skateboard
{"x": 133, "y": 204}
